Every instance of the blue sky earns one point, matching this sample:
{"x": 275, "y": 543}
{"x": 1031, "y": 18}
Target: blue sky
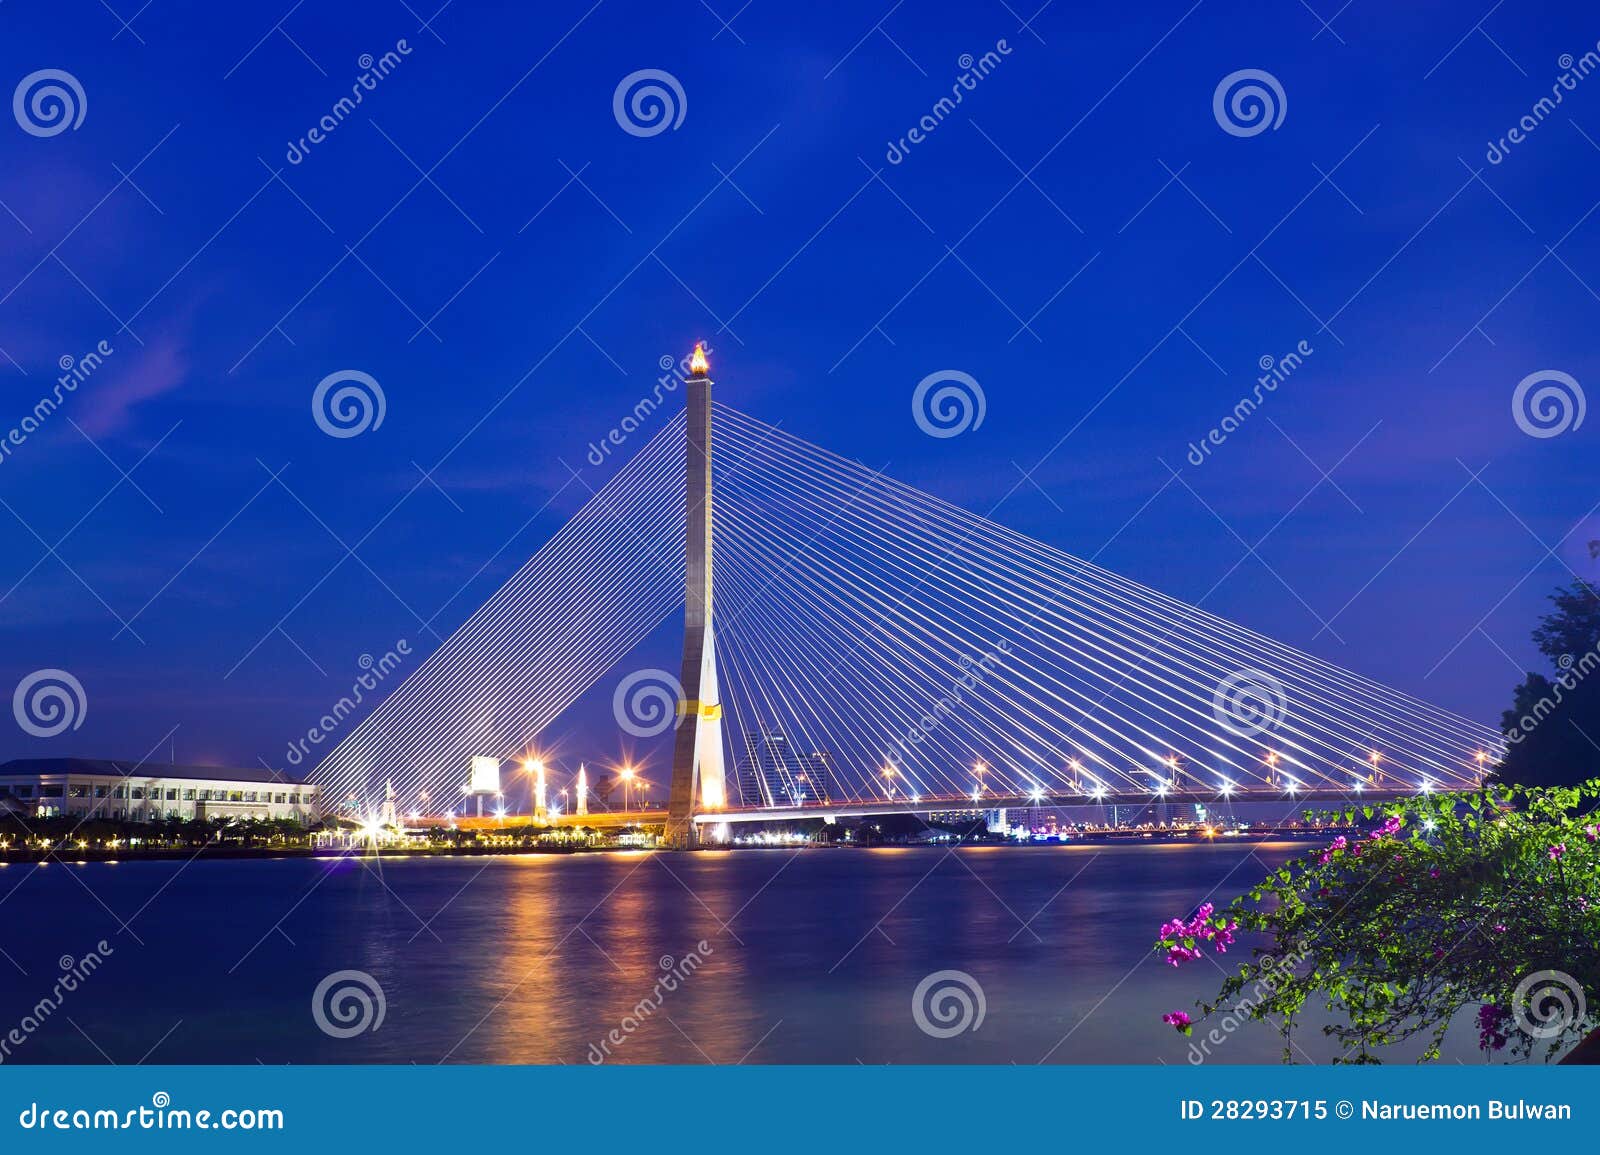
{"x": 481, "y": 235}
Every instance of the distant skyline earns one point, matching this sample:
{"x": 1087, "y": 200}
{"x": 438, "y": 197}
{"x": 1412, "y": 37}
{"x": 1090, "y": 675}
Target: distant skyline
{"x": 484, "y": 238}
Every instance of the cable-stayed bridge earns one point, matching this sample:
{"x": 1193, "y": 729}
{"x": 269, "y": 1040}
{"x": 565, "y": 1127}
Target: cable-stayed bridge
{"x": 853, "y": 645}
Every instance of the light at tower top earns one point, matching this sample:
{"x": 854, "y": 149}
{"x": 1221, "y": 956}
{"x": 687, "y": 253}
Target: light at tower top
{"x": 698, "y": 365}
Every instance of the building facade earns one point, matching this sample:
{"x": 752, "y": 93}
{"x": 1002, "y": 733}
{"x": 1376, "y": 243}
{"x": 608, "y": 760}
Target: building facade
{"x": 772, "y": 773}
{"x": 148, "y": 792}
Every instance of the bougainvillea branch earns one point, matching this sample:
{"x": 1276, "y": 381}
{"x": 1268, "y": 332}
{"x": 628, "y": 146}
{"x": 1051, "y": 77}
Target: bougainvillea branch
{"x": 1447, "y": 902}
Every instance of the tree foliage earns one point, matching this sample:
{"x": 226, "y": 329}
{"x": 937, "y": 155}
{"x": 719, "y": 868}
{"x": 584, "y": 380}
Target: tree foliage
{"x": 1442, "y": 903}
{"x": 1553, "y": 727}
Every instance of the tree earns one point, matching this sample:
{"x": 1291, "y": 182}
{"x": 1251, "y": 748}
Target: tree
{"x": 1450, "y": 902}
{"x": 1553, "y": 727}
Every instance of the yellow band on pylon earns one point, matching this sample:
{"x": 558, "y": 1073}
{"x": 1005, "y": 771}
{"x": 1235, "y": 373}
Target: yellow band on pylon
{"x": 710, "y": 711}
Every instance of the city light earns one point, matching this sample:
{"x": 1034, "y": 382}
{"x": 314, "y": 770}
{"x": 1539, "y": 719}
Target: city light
{"x": 1227, "y": 787}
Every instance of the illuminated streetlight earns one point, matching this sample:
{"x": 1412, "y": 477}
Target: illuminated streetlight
{"x": 627, "y": 785}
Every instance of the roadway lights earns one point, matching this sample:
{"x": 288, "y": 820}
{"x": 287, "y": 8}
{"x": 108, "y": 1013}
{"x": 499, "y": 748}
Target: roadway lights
{"x": 1426, "y": 787}
{"x": 1291, "y": 784}
{"x": 1357, "y": 785}
{"x": 1037, "y": 795}
{"x": 1227, "y": 787}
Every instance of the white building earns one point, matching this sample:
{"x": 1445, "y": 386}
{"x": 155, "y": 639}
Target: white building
{"x": 146, "y": 792}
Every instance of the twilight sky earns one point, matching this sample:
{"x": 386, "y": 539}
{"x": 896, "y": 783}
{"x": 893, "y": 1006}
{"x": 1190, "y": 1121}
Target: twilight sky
{"x": 482, "y": 236}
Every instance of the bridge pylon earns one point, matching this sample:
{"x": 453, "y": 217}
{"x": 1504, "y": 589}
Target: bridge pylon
{"x": 698, "y": 777}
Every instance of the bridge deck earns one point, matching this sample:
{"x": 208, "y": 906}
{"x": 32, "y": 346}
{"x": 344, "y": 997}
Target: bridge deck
{"x": 614, "y": 819}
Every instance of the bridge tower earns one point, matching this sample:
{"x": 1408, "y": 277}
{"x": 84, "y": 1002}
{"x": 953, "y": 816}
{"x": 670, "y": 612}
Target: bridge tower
{"x": 698, "y": 780}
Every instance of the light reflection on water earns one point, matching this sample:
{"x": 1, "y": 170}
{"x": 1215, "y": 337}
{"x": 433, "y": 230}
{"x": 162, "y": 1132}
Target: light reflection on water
{"x": 809, "y": 956}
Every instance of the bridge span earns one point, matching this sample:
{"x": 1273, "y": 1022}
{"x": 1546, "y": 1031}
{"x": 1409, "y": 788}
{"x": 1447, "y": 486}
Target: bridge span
{"x": 873, "y": 808}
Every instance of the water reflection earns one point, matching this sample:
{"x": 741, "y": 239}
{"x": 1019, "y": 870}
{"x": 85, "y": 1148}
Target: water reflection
{"x": 808, "y": 956}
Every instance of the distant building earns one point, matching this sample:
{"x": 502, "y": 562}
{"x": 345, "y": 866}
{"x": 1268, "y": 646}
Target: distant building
{"x": 772, "y": 773}
{"x": 148, "y": 792}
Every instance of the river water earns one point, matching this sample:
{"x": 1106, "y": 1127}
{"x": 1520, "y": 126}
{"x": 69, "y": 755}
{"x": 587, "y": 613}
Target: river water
{"x": 776, "y": 956}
